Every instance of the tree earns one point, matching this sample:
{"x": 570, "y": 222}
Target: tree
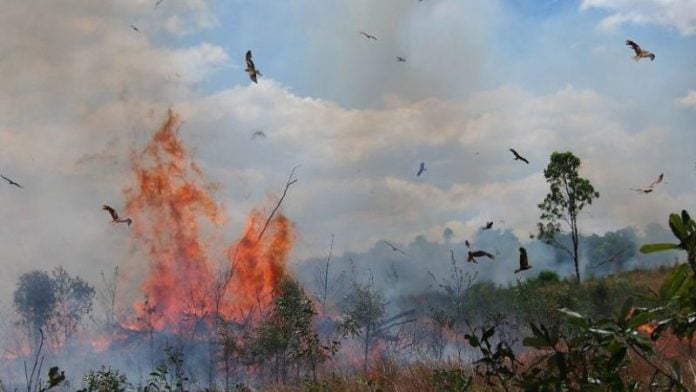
{"x": 73, "y": 301}
{"x": 286, "y": 335}
{"x": 34, "y": 300}
{"x": 364, "y": 313}
{"x": 569, "y": 194}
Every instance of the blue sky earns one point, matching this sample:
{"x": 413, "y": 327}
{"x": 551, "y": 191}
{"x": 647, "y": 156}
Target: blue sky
{"x": 82, "y": 89}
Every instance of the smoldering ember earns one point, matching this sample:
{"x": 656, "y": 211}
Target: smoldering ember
{"x": 422, "y": 195}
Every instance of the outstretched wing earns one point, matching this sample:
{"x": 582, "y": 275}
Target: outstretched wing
{"x": 249, "y": 61}
{"x": 634, "y": 45}
{"x": 515, "y": 153}
{"x": 113, "y": 213}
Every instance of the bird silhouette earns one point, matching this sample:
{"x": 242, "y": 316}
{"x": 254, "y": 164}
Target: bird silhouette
{"x": 524, "y": 262}
{"x": 468, "y": 245}
{"x": 659, "y": 180}
{"x": 158, "y": 3}
{"x": 489, "y": 225}
{"x": 640, "y": 53}
{"x": 114, "y": 216}
{"x": 478, "y": 253}
{"x": 11, "y": 182}
{"x": 519, "y": 157}
{"x": 368, "y": 36}
{"x": 394, "y": 248}
{"x": 400, "y": 59}
{"x": 251, "y": 68}
{"x": 643, "y": 190}
{"x": 258, "y": 134}
{"x": 421, "y": 169}
{"x": 135, "y": 28}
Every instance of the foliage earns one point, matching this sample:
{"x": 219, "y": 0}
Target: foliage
{"x": 569, "y": 194}
{"x": 169, "y": 375}
{"x": 498, "y": 364}
{"x": 105, "y": 380}
{"x": 73, "y": 301}
{"x": 286, "y": 335}
{"x": 57, "y": 302}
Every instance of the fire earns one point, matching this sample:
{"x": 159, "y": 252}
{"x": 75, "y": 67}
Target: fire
{"x": 174, "y": 219}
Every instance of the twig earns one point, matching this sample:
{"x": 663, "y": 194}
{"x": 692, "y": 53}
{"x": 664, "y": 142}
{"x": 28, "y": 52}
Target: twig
{"x": 34, "y": 371}
{"x": 287, "y": 186}
{"x": 326, "y": 278}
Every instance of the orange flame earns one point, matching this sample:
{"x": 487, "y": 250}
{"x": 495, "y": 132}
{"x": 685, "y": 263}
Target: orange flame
{"x": 172, "y": 207}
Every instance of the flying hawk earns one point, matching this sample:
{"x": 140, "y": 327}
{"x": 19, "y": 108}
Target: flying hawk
{"x": 11, "y": 182}
{"x": 519, "y": 157}
{"x": 251, "y": 68}
{"x": 114, "y": 216}
{"x": 489, "y": 225}
{"x": 659, "y": 180}
{"x": 524, "y": 262}
{"x": 479, "y": 253}
{"x": 400, "y": 59}
{"x": 394, "y": 248}
{"x": 368, "y": 36}
{"x": 135, "y": 28}
{"x": 646, "y": 190}
{"x": 258, "y": 134}
{"x": 640, "y": 53}
{"x": 421, "y": 169}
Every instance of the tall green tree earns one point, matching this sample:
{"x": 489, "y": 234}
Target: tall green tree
{"x": 34, "y": 300}
{"x": 569, "y": 194}
{"x": 364, "y": 311}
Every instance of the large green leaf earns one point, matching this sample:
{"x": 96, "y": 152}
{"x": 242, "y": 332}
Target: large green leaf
{"x": 677, "y": 226}
{"x": 650, "y": 248}
{"x": 674, "y": 282}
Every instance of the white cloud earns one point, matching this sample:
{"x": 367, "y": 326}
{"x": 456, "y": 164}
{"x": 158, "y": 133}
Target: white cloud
{"x": 678, "y": 14}
{"x": 689, "y": 101}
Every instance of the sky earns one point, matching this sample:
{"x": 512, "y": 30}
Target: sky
{"x": 82, "y": 89}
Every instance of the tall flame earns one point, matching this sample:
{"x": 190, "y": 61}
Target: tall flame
{"x": 172, "y": 208}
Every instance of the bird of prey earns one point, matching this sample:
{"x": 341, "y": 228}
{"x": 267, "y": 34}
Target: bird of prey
{"x": 489, "y": 225}
{"x": 519, "y": 157}
{"x": 524, "y": 262}
{"x": 251, "y": 68}
{"x": 114, "y": 216}
{"x": 11, "y": 182}
{"x": 394, "y": 248}
{"x": 478, "y": 253}
{"x": 135, "y": 28}
{"x": 640, "y": 53}
{"x": 158, "y": 3}
{"x": 258, "y": 134}
{"x": 659, "y": 180}
{"x": 468, "y": 245}
{"x": 421, "y": 169}
{"x": 400, "y": 59}
{"x": 368, "y": 36}
{"x": 645, "y": 190}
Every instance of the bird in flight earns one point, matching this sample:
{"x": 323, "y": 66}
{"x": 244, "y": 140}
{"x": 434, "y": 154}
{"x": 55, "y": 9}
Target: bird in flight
{"x": 394, "y": 248}
{"x": 258, "y": 134}
{"x": 158, "y": 3}
{"x": 400, "y": 59}
{"x": 11, "y": 182}
{"x": 114, "y": 216}
{"x": 640, "y": 53}
{"x": 519, "y": 157}
{"x": 644, "y": 190}
{"x": 468, "y": 245}
{"x": 489, "y": 225}
{"x": 524, "y": 262}
{"x": 368, "y": 36}
{"x": 659, "y": 180}
{"x": 421, "y": 169}
{"x": 251, "y": 68}
{"x": 478, "y": 253}
{"x": 135, "y": 28}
